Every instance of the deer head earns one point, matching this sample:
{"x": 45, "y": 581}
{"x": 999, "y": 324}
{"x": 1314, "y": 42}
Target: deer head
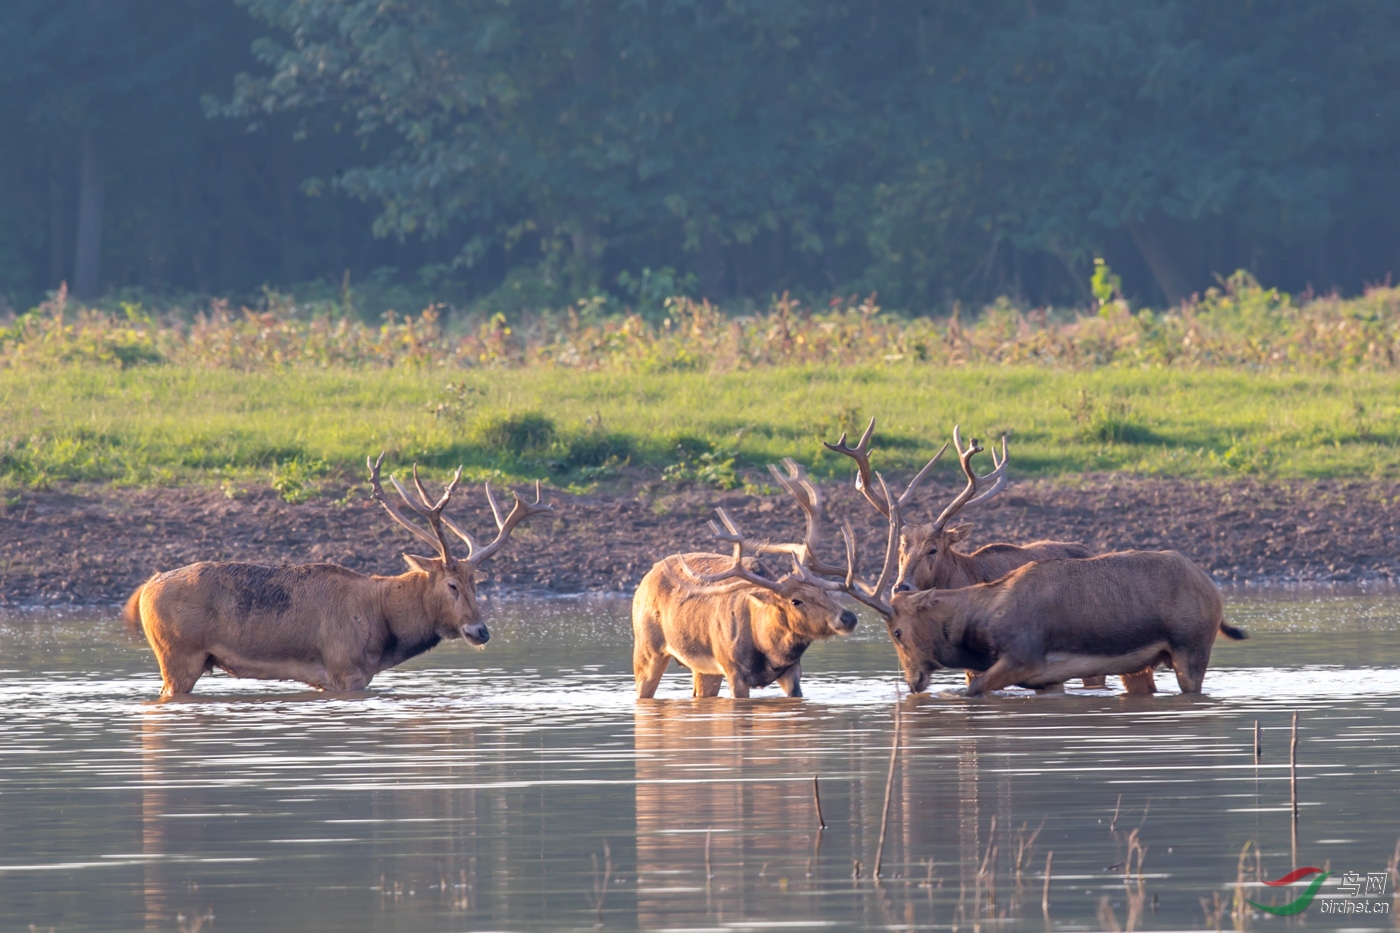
{"x": 450, "y": 594}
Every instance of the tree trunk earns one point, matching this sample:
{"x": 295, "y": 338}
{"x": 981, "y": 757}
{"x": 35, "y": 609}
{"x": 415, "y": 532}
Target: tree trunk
{"x": 1159, "y": 259}
{"x": 87, "y": 258}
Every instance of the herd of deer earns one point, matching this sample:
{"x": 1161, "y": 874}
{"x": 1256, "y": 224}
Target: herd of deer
{"x": 1033, "y": 616}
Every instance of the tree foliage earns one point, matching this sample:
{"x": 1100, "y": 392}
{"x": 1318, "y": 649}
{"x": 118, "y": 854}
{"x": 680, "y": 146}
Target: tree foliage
{"x": 525, "y": 152}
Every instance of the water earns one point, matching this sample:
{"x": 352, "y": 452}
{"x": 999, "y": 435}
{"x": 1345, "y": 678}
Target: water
{"x": 522, "y": 788}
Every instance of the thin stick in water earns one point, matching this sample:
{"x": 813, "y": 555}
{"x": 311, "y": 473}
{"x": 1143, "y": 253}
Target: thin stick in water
{"x": 1045, "y": 893}
{"x": 1258, "y": 745}
{"x": 1293, "y": 765}
{"x": 817, "y": 796}
{"x": 889, "y": 790}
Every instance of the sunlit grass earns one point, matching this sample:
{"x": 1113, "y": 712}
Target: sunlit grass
{"x": 177, "y": 424}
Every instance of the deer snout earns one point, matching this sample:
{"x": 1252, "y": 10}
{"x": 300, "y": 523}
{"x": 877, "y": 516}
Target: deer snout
{"x": 845, "y": 623}
{"x": 919, "y": 682}
{"x": 476, "y": 634}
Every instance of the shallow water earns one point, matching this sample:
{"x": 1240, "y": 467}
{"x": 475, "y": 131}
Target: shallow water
{"x": 522, "y": 788}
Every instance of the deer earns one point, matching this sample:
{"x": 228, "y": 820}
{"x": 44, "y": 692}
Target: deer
{"x": 322, "y": 624}
{"x": 1051, "y": 620}
{"x": 927, "y": 558}
{"x": 728, "y": 621}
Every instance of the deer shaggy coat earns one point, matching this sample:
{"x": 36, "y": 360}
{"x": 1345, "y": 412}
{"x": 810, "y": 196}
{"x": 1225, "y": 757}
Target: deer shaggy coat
{"x": 1052, "y": 620}
{"x": 737, "y": 631}
{"x": 320, "y": 624}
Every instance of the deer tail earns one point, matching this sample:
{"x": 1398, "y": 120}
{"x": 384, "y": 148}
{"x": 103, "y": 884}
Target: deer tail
{"x": 131, "y": 612}
{"x": 1229, "y": 631}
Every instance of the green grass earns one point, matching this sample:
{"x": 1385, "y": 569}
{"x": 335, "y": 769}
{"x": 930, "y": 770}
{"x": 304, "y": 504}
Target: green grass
{"x": 292, "y": 428}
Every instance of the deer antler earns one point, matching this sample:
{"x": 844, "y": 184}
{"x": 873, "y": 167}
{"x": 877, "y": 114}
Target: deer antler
{"x": 809, "y": 500}
{"x": 732, "y": 534}
{"x": 520, "y": 511}
{"x": 998, "y": 476}
{"x": 432, "y": 513}
{"x": 966, "y": 497}
{"x": 877, "y": 597}
{"x": 861, "y": 455}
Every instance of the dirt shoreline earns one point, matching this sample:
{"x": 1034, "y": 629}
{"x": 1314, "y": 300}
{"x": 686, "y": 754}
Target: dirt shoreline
{"x": 91, "y": 547}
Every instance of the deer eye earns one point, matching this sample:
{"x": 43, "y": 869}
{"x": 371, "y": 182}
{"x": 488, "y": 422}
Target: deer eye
{"x": 898, "y": 634}
{"x": 933, "y": 550}
{"x": 452, "y": 586}
{"x": 797, "y": 602}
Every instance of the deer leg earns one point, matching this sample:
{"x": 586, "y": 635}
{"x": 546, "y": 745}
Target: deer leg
{"x": 970, "y": 675}
{"x": 178, "y": 674}
{"x": 1190, "y": 670}
{"x": 648, "y": 671}
{"x": 1003, "y": 673}
{"x": 791, "y": 680}
{"x": 1094, "y": 682}
{"x": 706, "y": 685}
{"x": 348, "y": 681}
{"x": 1140, "y": 682}
{"x": 738, "y": 687}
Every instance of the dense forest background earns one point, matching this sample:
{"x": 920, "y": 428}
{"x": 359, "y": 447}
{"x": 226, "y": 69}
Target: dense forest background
{"x": 515, "y": 154}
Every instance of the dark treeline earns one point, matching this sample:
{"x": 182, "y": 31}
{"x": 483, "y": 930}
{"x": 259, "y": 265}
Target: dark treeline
{"x": 511, "y": 154}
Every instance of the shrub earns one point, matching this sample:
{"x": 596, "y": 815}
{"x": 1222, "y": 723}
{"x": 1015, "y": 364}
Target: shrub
{"x": 516, "y": 434}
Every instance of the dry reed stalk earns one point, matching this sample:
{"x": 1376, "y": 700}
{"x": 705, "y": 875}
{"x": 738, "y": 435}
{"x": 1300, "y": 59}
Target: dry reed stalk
{"x": 817, "y": 798}
{"x": 1025, "y": 847}
{"x": 1045, "y": 892}
{"x": 1107, "y": 919}
{"x": 600, "y": 881}
{"x": 1241, "y": 910}
{"x": 1214, "y": 909}
{"x": 889, "y": 792}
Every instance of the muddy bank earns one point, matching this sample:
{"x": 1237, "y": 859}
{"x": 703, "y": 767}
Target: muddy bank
{"x": 93, "y": 547}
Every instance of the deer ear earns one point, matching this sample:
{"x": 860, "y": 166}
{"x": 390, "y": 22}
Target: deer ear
{"x": 420, "y": 564}
{"x": 959, "y": 532}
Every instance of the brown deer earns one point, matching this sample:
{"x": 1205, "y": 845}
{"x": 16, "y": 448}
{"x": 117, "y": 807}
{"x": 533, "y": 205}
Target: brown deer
{"x": 927, "y": 558}
{"x": 725, "y": 621}
{"x": 321, "y": 624}
{"x": 1048, "y": 621}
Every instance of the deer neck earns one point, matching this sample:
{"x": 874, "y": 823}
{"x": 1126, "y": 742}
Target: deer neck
{"x": 954, "y": 637}
{"x": 962, "y": 569}
{"x": 409, "y": 626}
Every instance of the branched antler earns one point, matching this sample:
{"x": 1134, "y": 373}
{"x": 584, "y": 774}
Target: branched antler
{"x": 968, "y": 496}
{"x": 429, "y": 511}
{"x": 433, "y": 513}
{"x": 861, "y": 455}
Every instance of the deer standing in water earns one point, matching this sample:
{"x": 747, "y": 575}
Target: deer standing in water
{"x": 927, "y": 556}
{"x": 724, "y": 620}
{"x": 1051, "y": 620}
{"x": 321, "y": 624}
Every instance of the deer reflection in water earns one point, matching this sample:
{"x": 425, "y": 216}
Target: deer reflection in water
{"x": 719, "y": 814}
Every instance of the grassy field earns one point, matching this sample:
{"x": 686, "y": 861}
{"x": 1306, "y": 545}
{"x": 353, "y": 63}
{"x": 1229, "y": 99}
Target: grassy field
{"x": 295, "y": 428}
